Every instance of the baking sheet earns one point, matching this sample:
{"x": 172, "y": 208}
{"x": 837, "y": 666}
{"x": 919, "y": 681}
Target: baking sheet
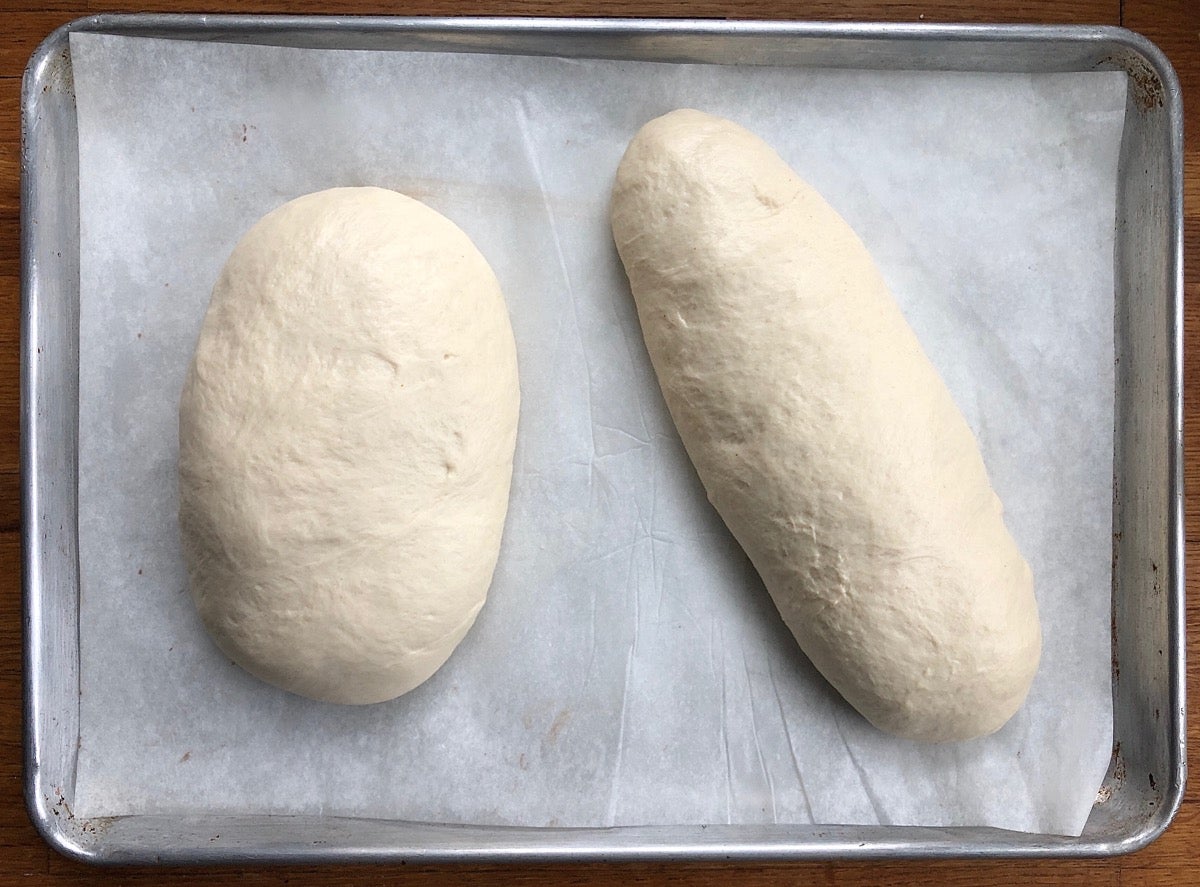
{"x": 628, "y": 668}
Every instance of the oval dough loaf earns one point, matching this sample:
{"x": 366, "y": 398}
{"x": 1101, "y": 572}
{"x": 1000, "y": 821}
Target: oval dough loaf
{"x": 823, "y": 434}
{"x": 346, "y": 438}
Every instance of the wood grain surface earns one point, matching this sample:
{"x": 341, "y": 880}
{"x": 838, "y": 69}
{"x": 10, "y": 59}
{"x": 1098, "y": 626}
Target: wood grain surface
{"x": 24, "y": 859}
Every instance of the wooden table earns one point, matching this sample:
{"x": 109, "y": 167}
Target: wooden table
{"x": 24, "y": 859}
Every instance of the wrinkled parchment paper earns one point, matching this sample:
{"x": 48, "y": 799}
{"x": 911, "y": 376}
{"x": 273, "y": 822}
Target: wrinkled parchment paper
{"x": 629, "y": 667}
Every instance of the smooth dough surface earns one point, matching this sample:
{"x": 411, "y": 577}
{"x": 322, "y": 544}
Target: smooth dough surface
{"x": 823, "y": 434}
{"x": 347, "y": 429}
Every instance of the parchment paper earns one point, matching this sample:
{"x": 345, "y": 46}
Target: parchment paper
{"x": 629, "y": 667}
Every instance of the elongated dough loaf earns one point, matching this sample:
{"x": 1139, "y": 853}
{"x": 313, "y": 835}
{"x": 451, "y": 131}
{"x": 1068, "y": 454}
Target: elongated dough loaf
{"x": 822, "y": 433}
{"x": 346, "y": 437}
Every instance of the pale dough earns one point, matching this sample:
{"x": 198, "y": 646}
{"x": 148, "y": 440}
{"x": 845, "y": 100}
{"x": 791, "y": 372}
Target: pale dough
{"x": 346, "y": 438}
{"x": 822, "y": 433}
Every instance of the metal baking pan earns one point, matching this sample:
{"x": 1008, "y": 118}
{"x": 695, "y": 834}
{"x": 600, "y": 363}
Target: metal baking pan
{"x": 1145, "y": 781}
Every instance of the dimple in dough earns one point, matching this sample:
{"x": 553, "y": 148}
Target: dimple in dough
{"x": 823, "y": 434}
{"x": 346, "y": 434}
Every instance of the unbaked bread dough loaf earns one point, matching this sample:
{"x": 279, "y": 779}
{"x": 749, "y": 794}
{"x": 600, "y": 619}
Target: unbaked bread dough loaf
{"x": 823, "y": 434}
{"x": 346, "y": 437}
